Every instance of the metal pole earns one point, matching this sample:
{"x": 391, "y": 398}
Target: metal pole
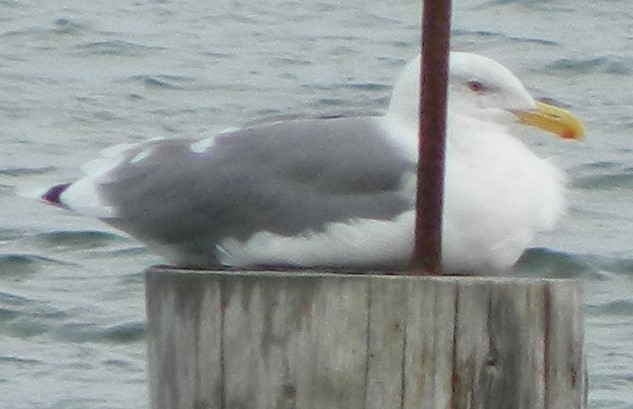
{"x": 432, "y": 130}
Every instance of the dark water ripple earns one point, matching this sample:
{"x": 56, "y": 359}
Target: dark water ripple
{"x": 12, "y": 299}
{"x": 34, "y": 320}
{"x": 10, "y": 234}
{"x": 545, "y": 262}
{"x": 11, "y": 306}
{"x": 622, "y": 307}
{"x": 128, "y": 251}
{"x": 18, "y": 265}
{"x": 22, "y": 171}
{"x": 134, "y": 278}
{"x": 75, "y": 239}
{"x": 541, "y": 261}
{"x": 618, "y": 265}
{"x": 124, "y": 333}
{"x": 67, "y": 26}
{"x": 24, "y": 318}
{"x": 12, "y": 360}
{"x": 116, "y": 48}
{"x": 163, "y": 81}
{"x": 608, "y": 179}
{"x": 483, "y": 35}
{"x": 592, "y": 65}
{"x": 368, "y": 86}
{"x": 534, "y": 4}
{"x": 60, "y": 26}
{"x": 8, "y": 314}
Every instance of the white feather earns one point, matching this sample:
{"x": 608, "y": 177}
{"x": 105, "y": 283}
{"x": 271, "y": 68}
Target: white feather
{"x": 202, "y": 145}
{"x": 83, "y": 196}
{"x": 359, "y": 242}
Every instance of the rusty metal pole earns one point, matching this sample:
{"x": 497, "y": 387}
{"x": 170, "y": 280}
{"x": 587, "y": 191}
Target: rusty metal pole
{"x": 432, "y": 131}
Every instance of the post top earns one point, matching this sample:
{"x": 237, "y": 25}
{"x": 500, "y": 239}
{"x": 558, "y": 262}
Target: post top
{"x": 298, "y": 273}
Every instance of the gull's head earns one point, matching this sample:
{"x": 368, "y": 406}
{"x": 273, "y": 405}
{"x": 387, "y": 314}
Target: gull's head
{"x": 485, "y": 90}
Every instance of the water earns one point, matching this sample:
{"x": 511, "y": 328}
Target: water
{"x": 77, "y": 77}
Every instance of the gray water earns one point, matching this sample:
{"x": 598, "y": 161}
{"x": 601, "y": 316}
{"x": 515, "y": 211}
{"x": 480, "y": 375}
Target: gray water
{"x": 77, "y": 76}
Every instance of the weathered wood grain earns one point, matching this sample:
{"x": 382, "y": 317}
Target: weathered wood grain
{"x": 320, "y": 340}
{"x": 385, "y": 343}
{"x": 184, "y": 346}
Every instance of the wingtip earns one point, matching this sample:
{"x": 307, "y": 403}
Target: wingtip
{"x": 53, "y": 194}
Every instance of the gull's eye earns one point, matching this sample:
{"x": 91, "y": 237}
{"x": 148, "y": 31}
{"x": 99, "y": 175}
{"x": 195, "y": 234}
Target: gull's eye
{"x": 475, "y": 86}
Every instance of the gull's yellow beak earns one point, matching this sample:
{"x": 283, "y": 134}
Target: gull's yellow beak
{"x": 552, "y": 119}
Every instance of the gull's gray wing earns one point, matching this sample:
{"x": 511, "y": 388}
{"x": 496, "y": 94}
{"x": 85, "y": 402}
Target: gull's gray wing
{"x": 285, "y": 178}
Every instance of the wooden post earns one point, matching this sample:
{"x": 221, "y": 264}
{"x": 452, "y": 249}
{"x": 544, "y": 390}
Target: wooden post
{"x": 310, "y": 340}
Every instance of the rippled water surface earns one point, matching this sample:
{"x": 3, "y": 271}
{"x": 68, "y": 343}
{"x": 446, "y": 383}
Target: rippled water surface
{"x": 76, "y": 77}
